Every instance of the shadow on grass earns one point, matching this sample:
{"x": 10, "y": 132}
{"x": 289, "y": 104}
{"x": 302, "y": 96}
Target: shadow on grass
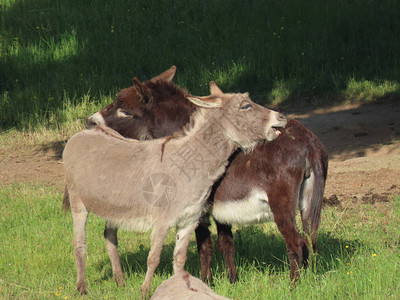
{"x": 267, "y": 252}
{"x": 54, "y": 147}
{"x": 136, "y": 262}
{"x": 254, "y": 249}
{"x": 56, "y": 50}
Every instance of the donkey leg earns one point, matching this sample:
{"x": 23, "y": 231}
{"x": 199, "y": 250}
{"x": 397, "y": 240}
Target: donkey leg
{"x": 204, "y": 247}
{"x": 294, "y": 243}
{"x": 157, "y": 241}
{"x": 227, "y": 248}
{"x": 79, "y": 215}
{"x": 111, "y": 238}
{"x": 181, "y": 247}
{"x": 310, "y": 228}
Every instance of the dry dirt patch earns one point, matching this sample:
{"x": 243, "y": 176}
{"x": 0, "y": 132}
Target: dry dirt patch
{"x": 363, "y": 143}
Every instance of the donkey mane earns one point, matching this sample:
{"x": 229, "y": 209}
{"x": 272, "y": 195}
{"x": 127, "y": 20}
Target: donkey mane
{"x": 158, "y": 89}
{"x": 111, "y": 132}
{"x": 185, "y": 129}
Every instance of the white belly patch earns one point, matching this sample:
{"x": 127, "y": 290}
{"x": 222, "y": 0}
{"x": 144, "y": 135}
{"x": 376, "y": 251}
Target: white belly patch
{"x": 252, "y": 209}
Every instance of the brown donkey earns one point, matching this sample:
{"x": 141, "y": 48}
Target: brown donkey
{"x": 269, "y": 182}
{"x": 161, "y": 183}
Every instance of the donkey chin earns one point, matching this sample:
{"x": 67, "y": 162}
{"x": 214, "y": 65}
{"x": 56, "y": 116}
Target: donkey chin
{"x": 277, "y": 121}
{"x": 273, "y": 133}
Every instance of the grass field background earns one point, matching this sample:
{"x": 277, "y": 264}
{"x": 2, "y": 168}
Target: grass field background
{"x": 56, "y": 55}
{"x": 358, "y": 258}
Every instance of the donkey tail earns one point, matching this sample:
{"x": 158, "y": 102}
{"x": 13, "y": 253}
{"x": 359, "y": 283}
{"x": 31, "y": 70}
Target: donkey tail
{"x": 311, "y": 196}
{"x": 65, "y": 204}
{"x": 320, "y": 172}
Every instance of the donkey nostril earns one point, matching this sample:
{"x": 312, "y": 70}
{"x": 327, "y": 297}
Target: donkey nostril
{"x": 90, "y": 122}
{"x": 281, "y": 117}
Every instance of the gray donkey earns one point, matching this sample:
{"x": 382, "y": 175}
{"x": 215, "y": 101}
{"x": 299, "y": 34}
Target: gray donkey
{"x": 139, "y": 185}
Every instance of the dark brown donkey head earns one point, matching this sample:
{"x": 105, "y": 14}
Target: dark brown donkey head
{"x": 147, "y": 110}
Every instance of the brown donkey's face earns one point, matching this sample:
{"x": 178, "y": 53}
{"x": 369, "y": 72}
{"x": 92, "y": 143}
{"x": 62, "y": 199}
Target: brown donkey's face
{"x": 123, "y": 114}
{"x": 148, "y": 110}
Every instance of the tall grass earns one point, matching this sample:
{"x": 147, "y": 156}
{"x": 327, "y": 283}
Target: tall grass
{"x": 357, "y": 259}
{"x": 285, "y": 53}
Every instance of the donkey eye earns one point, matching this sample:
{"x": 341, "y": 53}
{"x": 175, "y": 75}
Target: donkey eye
{"x": 246, "y": 106}
{"x": 123, "y": 113}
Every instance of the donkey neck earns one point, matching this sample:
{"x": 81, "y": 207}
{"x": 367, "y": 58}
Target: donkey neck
{"x": 207, "y": 130}
{"x": 203, "y": 147}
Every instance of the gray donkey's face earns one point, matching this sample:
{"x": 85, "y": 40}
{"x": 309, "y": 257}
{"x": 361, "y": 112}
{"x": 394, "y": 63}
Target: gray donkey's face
{"x": 244, "y": 121}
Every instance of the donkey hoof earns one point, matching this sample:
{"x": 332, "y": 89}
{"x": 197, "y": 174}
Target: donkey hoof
{"x": 82, "y": 287}
{"x": 144, "y": 292}
{"x": 233, "y": 278}
{"x": 120, "y": 281}
{"x": 207, "y": 280}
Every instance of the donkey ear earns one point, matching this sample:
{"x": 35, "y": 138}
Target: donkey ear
{"x": 214, "y": 89}
{"x": 166, "y": 75}
{"x": 142, "y": 90}
{"x": 207, "y": 102}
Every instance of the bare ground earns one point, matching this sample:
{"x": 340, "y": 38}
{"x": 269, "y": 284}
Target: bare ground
{"x": 363, "y": 143}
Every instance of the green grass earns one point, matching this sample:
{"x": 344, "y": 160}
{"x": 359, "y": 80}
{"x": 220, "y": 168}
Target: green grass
{"x": 56, "y": 55}
{"x": 357, "y": 258}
